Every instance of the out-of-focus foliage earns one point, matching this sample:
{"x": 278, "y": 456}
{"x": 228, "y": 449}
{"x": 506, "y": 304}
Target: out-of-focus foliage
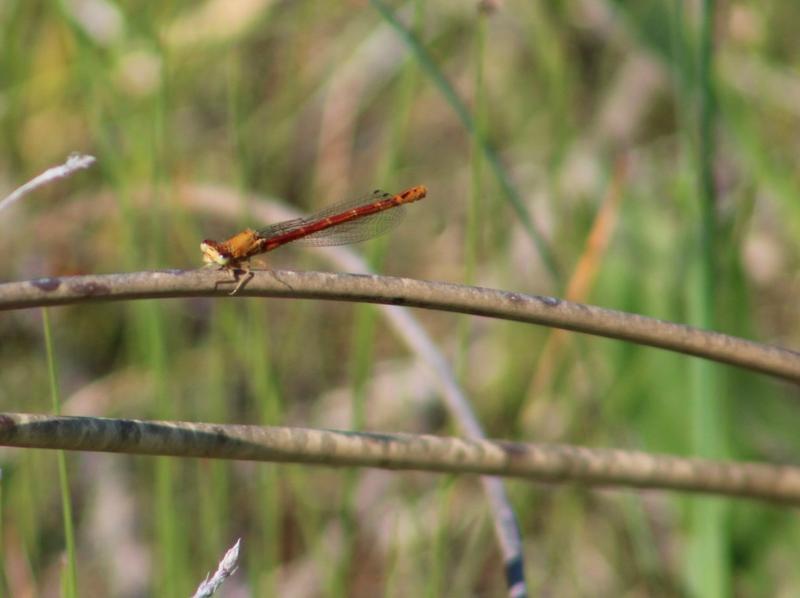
{"x": 588, "y": 104}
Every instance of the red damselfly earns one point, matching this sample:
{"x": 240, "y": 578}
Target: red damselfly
{"x": 348, "y": 222}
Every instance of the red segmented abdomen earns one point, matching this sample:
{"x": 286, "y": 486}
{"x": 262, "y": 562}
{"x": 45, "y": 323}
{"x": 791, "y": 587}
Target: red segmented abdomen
{"x": 304, "y": 227}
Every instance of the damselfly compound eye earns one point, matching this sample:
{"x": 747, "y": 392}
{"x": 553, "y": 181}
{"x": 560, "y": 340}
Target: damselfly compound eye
{"x": 211, "y": 255}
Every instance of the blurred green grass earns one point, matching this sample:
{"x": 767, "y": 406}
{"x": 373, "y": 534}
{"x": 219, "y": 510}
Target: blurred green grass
{"x": 315, "y": 102}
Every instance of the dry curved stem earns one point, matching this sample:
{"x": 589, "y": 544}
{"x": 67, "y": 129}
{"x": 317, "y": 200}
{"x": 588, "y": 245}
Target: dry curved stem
{"x": 74, "y": 163}
{"x": 532, "y": 309}
{"x": 223, "y": 203}
{"x": 545, "y": 463}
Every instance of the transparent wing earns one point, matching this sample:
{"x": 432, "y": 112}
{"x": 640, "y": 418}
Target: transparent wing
{"x": 355, "y": 230}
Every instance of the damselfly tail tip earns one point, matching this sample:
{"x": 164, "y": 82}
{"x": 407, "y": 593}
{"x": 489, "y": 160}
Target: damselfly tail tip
{"x": 414, "y": 194}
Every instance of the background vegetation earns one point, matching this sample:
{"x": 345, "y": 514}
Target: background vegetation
{"x": 579, "y": 148}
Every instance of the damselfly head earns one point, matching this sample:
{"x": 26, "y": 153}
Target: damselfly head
{"x": 212, "y": 254}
